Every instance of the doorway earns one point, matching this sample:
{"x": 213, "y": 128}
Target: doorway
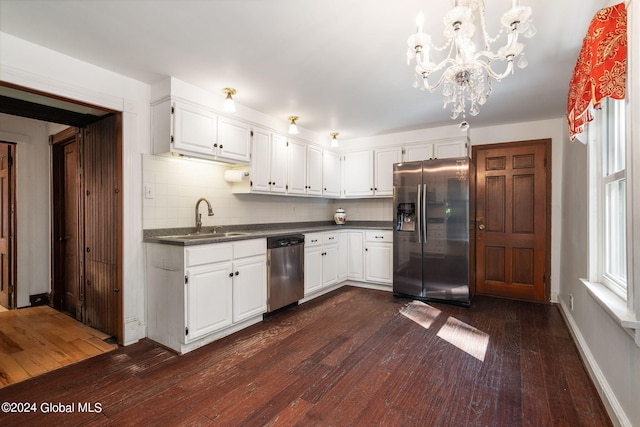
{"x": 7, "y": 225}
{"x": 87, "y": 224}
{"x": 513, "y": 220}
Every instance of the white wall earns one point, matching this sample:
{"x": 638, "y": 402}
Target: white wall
{"x": 29, "y": 65}
{"x": 610, "y": 352}
{"x": 33, "y": 204}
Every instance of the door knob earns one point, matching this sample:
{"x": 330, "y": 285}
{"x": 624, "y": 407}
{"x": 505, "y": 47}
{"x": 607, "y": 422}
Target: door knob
{"x": 481, "y": 226}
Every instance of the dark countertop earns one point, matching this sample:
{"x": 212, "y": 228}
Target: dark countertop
{"x": 175, "y": 236}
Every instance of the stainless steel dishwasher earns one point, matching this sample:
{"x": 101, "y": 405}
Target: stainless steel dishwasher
{"x": 285, "y": 271}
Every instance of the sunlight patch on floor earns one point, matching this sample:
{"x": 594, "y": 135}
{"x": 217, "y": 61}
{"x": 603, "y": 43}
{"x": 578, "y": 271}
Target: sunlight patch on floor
{"x": 421, "y": 313}
{"x": 467, "y": 338}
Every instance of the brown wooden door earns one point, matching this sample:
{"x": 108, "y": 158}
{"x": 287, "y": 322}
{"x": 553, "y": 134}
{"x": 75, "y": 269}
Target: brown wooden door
{"x": 7, "y": 204}
{"x": 512, "y": 220}
{"x": 102, "y": 230}
{"x": 67, "y": 220}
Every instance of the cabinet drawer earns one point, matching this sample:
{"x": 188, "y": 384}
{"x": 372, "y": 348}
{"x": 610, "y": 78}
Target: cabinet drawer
{"x": 313, "y": 239}
{"x": 206, "y": 254}
{"x": 246, "y": 248}
{"x": 379, "y": 236}
{"x": 329, "y": 238}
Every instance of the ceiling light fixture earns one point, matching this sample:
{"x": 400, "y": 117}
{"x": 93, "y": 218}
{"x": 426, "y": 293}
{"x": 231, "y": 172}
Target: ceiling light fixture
{"x": 293, "y": 128}
{"x": 229, "y": 105}
{"x": 334, "y": 139}
{"x": 467, "y": 67}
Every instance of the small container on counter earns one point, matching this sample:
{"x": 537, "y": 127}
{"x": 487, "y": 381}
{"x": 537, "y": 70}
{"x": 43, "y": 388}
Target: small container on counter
{"x": 340, "y": 216}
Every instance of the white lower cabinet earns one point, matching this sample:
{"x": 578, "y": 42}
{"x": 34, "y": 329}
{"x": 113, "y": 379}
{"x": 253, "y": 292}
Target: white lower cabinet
{"x": 356, "y": 256}
{"x": 199, "y": 293}
{"x": 379, "y": 257}
{"x": 320, "y": 261}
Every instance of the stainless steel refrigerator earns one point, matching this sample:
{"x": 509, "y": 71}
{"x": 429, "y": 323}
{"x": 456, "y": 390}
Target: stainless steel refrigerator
{"x": 434, "y": 230}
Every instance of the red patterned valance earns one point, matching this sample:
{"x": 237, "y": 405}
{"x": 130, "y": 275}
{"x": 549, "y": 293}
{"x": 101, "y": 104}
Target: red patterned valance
{"x": 601, "y": 68}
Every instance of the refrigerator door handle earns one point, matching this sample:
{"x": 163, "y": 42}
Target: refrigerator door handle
{"x": 423, "y": 208}
{"x": 419, "y": 213}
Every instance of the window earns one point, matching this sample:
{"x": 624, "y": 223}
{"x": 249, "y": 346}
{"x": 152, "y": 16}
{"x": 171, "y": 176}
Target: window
{"x": 608, "y": 201}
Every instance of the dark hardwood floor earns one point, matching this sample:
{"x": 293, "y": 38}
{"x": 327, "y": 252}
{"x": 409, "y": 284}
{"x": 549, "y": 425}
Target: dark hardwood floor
{"x": 352, "y": 357}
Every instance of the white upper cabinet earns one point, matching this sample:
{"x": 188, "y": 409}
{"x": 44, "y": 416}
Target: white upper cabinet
{"x": 384, "y": 170}
{"x": 448, "y": 149}
{"x": 189, "y": 129}
{"x": 414, "y": 153}
{"x": 314, "y": 171}
{"x": 358, "y": 174}
{"x": 234, "y": 140}
{"x": 261, "y": 161}
{"x": 184, "y": 128}
{"x": 297, "y": 167}
{"x": 278, "y": 164}
{"x": 330, "y": 174}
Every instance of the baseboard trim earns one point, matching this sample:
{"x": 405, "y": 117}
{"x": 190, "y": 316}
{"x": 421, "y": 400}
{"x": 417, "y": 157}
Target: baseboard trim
{"x": 615, "y": 411}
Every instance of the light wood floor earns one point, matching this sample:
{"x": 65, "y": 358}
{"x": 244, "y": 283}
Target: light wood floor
{"x": 40, "y": 339}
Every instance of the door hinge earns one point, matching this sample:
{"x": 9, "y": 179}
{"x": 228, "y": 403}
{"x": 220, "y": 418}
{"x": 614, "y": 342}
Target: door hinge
{"x": 251, "y": 133}
{"x": 172, "y": 139}
{"x": 173, "y": 110}
{"x": 186, "y": 279}
{"x": 10, "y": 160}
{"x": 186, "y": 330}
{"x": 545, "y": 162}
{"x": 544, "y": 278}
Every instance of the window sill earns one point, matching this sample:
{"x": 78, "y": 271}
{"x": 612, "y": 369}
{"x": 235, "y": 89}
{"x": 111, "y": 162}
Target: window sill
{"x": 615, "y": 306}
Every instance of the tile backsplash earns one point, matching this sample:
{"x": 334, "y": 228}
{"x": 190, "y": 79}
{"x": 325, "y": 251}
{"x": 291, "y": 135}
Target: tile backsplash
{"x": 173, "y": 185}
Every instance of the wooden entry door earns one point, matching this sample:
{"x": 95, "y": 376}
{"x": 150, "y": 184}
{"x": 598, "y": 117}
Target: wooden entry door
{"x": 513, "y": 220}
{"x": 67, "y": 223}
{"x": 7, "y": 225}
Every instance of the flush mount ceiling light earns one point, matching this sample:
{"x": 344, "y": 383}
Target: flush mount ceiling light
{"x": 467, "y": 71}
{"x": 293, "y": 128}
{"x": 334, "y": 139}
{"x": 229, "y": 106}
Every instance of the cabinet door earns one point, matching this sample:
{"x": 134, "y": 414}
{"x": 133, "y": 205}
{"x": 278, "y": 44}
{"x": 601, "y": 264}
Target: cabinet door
{"x": 261, "y": 161}
{"x": 343, "y": 255}
{"x": 234, "y": 140}
{"x": 330, "y": 174}
{"x": 379, "y": 262}
{"x": 314, "y": 171}
{"x": 329, "y": 265}
{"x": 384, "y": 170}
{"x": 297, "y": 167}
{"x": 312, "y": 269}
{"x": 249, "y": 287}
{"x": 195, "y": 129}
{"x": 443, "y": 150}
{"x": 418, "y": 152}
{"x": 356, "y": 255}
{"x": 278, "y": 181}
{"x": 208, "y": 299}
{"x": 358, "y": 174}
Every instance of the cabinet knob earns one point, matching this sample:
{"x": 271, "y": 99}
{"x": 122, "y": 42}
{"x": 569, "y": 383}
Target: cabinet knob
{"x": 220, "y": 145}
{"x": 237, "y": 272}
{"x": 230, "y": 274}
{"x": 215, "y": 145}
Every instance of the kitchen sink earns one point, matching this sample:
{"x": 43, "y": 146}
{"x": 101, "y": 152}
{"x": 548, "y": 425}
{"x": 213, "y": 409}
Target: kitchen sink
{"x": 194, "y": 236}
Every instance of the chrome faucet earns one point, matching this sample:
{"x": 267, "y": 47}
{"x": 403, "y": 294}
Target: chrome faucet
{"x": 199, "y": 215}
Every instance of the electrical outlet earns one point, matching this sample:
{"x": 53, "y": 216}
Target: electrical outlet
{"x": 148, "y": 191}
{"x": 571, "y": 302}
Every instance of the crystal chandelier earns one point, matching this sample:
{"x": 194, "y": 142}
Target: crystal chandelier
{"x": 467, "y": 71}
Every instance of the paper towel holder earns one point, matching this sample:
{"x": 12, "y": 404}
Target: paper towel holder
{"x": 236, "y": 175}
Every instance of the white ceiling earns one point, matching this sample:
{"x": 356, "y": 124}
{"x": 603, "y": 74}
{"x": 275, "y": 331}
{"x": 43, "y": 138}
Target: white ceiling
{"x": 338, "y": 64}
